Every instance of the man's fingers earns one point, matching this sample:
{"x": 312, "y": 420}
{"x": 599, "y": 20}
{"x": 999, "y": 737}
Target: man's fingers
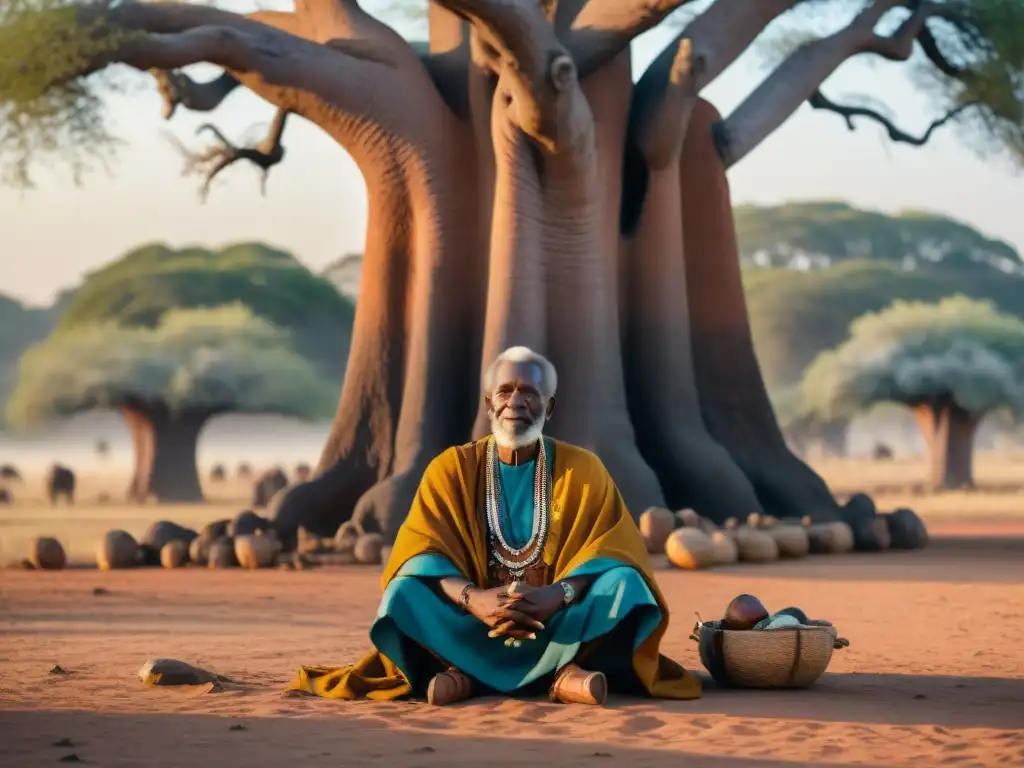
{"x": 520, "y": 618}
{"x": 510, "y": 629}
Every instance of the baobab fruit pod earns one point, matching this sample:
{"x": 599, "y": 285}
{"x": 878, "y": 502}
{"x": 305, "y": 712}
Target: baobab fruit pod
{"x": 117, "y": 549}
{"x": 830, "y": 538}
{"x": 222, "y": 553}
{"x": 46, "y": 553}
{"x": 755, "y": 546}
{"x": 755, "y": 520}
{"x": 655, "y": 526}
{"x": 368, "y": 548}
{"x": 906, "y": 529}
{"x": 688, "y": 518}
{"x": 743, "y": 612}
{"x": 791, "y": 540}
{"x": 725, "y": 548}
{"x": 690, "y": 548}
{"x": 174, "y": 554}
{"x": 255, "y": 551}
{"x": 871, "y": 534}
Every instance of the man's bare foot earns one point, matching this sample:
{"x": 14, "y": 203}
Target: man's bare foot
{"x": 450, "y": 687}
{"x": 574, "y": 685}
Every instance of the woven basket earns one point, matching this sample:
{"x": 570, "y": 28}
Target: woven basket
{"x": 789, "y": 657}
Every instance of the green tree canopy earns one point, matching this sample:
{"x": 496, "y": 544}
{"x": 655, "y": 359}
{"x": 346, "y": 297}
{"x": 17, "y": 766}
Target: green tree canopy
{"x": 796, "y": 315}
{"x": 913, "y": 353}
{"x": 142, "y": 286}
{"x": 219, "y": 359}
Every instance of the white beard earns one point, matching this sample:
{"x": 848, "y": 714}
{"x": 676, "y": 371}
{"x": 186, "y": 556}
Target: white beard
{"x": 506, "y": 439}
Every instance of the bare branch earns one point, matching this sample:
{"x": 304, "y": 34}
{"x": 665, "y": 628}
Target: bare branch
{"x": 178, "y": 89}
{"x": 800, "y": 75}
{"x": 211, "y": 161}
{"x": 848, "y": 112}
{"x": 717, "y": 38}
{"x": 659, "y": 126}
{"x": 605, "y": 28}
{"x": 537, "y": 70}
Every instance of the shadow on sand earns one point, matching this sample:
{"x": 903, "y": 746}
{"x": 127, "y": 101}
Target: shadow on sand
{"x": 31, "y": 738}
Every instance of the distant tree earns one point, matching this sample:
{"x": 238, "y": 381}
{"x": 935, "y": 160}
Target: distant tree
{"x": 803, "y": 427}
{"x": 167, "y": 382}
{"x": 796, "y": 315}
{"x": 141, "y": 286}
{"x": 952, "y": 363}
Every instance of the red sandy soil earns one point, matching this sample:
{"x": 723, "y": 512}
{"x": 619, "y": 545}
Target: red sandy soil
{"x": 934, "y": 675}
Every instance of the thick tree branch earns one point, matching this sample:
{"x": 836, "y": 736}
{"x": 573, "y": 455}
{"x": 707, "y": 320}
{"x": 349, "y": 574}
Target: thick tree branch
{"x": 605, "y": 28}
{"x": 660, "y": 125}
{"x": 848, "y": 112}
{"x": 536, "y": 70}
{"x": 214, "y": 159}
{"x": 178, "y": 89}
{"x": 800, "y": 75}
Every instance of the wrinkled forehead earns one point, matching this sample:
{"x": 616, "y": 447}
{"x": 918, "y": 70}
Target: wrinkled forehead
{"x": 509, "y": 375}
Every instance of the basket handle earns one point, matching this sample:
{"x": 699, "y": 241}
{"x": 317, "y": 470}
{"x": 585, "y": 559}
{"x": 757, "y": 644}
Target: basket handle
{"x": 840, "y": 642}
{"x": 695, "y": 634}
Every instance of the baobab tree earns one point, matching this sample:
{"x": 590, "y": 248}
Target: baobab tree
{"x": 951, "y": 363}
{"x": 168, "y": 382}
{"x": 523, "y": 189}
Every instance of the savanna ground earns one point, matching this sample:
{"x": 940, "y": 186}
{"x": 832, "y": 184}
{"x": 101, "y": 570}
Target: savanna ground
{"x": 934, "y": 674}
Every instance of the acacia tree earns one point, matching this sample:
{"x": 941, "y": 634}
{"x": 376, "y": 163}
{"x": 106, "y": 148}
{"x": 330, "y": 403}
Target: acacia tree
{"x": 951, "y": 363}
{"x": 524, "y": 190}
{"x": 168, "y": 382}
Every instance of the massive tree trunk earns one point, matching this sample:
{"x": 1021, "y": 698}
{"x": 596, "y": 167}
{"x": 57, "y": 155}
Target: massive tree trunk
{"x": 164, "y": 443}
{"x": 497, "y": 164}
{"x": 733, "y": 398}
{"x": 948, "y": 432}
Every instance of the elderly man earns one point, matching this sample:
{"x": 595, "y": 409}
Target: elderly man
{"x": 517, "y": 569}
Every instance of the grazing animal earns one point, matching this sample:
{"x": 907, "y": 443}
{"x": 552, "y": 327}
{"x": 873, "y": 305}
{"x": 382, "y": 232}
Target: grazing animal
{"x": 244, "y": 470}
{"x": 60, "y": 481}
{"x": 218, "y": 473}
{"x": 881, "y": 452}
{"x": 303, "y": 472}
{"x": 266, "y": 485}
{"x": 5, "y": 496}
{"x": 9, "y": 472}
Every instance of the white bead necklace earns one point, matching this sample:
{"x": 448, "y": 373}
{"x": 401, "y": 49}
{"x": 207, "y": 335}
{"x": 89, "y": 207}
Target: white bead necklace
{"x": 495, "y": 503}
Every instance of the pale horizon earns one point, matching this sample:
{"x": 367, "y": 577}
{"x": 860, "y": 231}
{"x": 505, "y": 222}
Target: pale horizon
{"x": 316, "y": 205}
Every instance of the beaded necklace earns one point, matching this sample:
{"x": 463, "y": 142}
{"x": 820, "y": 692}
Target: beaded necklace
{"x": 495, "y": 503}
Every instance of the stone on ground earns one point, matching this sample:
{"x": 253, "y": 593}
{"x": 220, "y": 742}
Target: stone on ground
{"x": 117, "y": 549}
{"x": 655, "y": 526}
{"x": 46, "y": 553}
{"x": 690, "y": 548}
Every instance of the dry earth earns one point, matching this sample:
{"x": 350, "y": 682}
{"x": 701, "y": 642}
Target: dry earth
{"x": 934, "y": 675}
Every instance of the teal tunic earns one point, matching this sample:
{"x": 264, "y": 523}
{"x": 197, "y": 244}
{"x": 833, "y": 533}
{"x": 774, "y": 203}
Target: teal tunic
{"x": 415, "y": 617}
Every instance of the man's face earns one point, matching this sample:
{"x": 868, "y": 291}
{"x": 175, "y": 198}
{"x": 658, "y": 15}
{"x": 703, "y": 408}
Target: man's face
{"x": 518, "y": 409}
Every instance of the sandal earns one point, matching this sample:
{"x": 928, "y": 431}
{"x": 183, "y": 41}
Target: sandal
{"x": 450, "y": 687}
{"x": 574, "y": 685}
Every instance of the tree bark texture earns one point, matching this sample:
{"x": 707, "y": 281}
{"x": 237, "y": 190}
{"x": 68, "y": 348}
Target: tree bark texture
{"x": 948, "y": 431}
{"x": 523, "y": 190}
{"x": 165, "y": 453}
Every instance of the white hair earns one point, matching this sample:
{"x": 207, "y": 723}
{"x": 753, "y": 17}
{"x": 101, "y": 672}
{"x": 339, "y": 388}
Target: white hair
{"x": 549, "y": 376}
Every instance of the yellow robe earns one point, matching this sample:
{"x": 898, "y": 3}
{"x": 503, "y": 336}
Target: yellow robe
{"x": 588, "y": 520}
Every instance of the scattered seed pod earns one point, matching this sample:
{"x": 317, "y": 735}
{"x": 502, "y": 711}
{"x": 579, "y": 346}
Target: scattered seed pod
{"x": 199, "y": 549}
{"x": 726, "y": 552}
{"x": 906, "y": 529}
{"x": 690, "y": 548}
{"x": 174, "y": 554}
{"x": 46, "y": 553}
{"x": 368, "y": 548}
{"x": 255, "y": 551}
{"x": 754, "y": 546}
{"x": 792, "y": 540}
{"x": 830, "y": 538}
{"x": 222, "y": 553}
{"x": 655, "y": 526}
{"x": 117, "y": 549}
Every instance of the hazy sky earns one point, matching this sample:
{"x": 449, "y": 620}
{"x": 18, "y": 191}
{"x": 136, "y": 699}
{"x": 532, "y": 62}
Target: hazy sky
{"x": 316, "y": 205}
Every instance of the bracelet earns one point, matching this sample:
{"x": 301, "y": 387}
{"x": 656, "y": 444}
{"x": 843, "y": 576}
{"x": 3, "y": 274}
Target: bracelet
{"x": 464, "y": 597}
